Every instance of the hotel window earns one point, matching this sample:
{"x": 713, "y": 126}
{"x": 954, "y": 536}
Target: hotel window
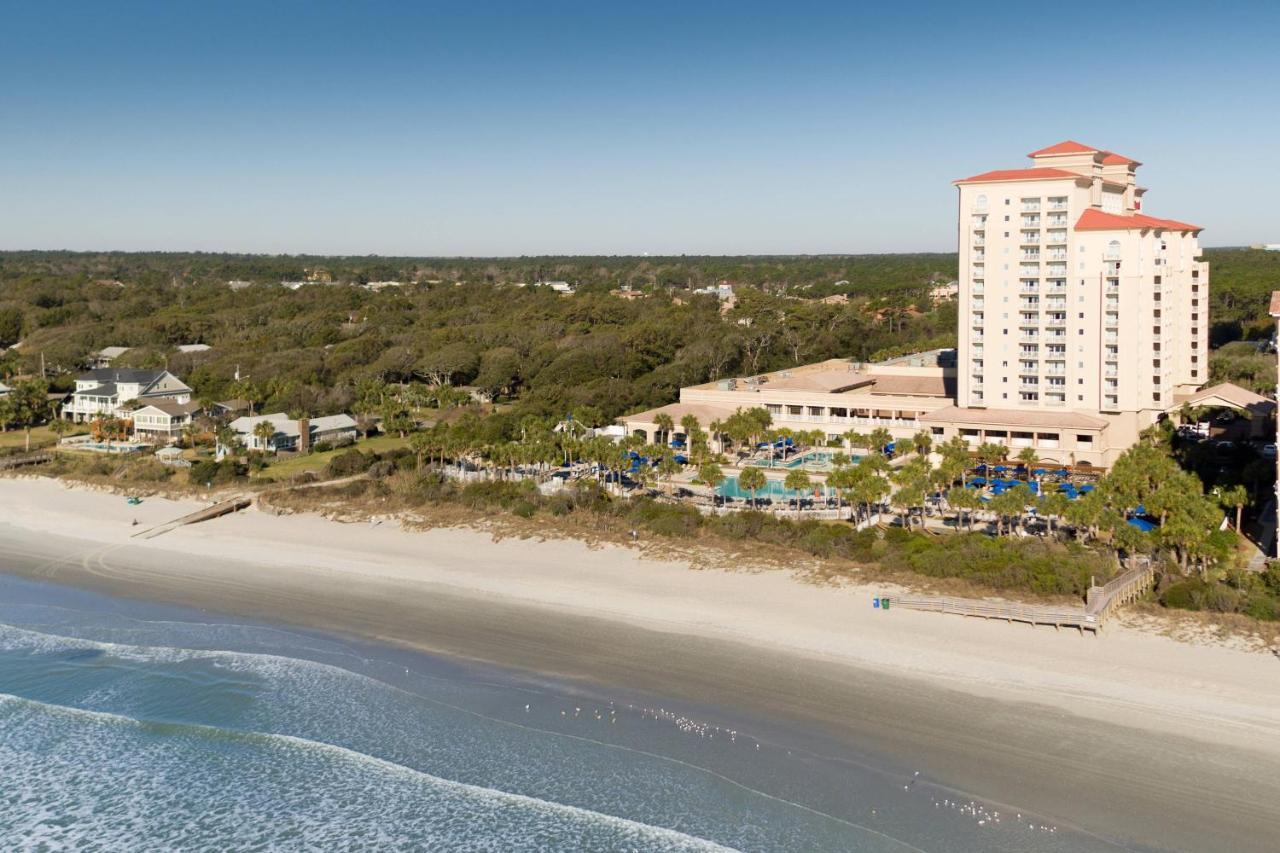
{"x": 795, "y": 410}
{"x": 773, "y": 408}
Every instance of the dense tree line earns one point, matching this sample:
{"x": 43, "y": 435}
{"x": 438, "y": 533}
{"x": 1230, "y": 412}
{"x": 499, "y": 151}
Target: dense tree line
{"x": 308, "y": 350}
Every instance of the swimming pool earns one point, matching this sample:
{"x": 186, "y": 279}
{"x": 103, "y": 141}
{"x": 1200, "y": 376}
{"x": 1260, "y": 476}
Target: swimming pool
{"x": 773, "y": 490}
{"x": 818, "y": 460}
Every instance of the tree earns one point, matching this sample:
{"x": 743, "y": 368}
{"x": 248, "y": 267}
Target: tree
{"x": 963, "y": 501}
{"x": 664, "y": 425}
{"x": 1234, "y": 498}
{"x": 395, "y": 419}
{"x": 264, "y": 431}
{"x": 922, "y": 442}
{"x": 12, "y": 324}
{"x": 1052, "y": 507}
{"x": 710, "y": 474}
{"x": 879, "y": 439}
{"x": 451, "y": 364}
{"x": 752, "y": 479}
{"x": 797, "y": 481}
{"x": 1028, "y": 457}
{"x": 29, "y": 404}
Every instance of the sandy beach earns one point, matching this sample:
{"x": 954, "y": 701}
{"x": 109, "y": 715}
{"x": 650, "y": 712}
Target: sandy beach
{"x": 1131, "y": 735}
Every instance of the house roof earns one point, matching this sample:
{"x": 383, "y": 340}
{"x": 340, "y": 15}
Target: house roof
{"x": 173, "y": 408}
{"x": 1069, "y": 146}
{"x": 1114, "y": 159}
{"x": 823, "y": 381}
{"x": 111, "y": 352}
{"x": 122, "y": 374}
{"x": 189, "y": 348}
{"x": 1275, "y": 303}
{"x": 915, "y": 386}
{"x": 1014, "y": 418}
{"x": 1099, "y": 220}
{"x": 1230, "y": 394}
{"x": 288, "y": 426}
{"x": 1039, "y": 173}
{"x": 704, "y": 412}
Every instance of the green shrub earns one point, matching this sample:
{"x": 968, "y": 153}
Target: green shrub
{"x": 349, "y": 463}
{"x": 217, "y": 473}
{"x": 1184, "y": 595}
{"x": 1262, "y": 607}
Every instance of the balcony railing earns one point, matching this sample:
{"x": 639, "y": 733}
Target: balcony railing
{"x": 1030, "y": 205}
{"x": 1057, "y": 205}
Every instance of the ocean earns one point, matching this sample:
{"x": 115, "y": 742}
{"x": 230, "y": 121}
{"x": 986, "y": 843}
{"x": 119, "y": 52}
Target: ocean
{"x": 132, "y": 726}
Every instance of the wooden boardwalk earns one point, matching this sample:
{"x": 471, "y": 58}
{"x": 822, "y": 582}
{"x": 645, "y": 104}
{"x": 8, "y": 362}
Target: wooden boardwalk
{"x": 20, "y": 460}
{"x": 1100, "y": 603}
{"x": 217, "y": 510}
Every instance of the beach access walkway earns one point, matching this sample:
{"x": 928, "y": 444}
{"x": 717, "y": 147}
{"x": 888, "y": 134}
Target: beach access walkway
{"x": 217, "y": 510}
{"x": 1100, "y": 603}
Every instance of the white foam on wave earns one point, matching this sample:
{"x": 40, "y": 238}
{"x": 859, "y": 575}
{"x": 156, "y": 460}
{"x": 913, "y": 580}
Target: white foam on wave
{"x": 90, "y": 776}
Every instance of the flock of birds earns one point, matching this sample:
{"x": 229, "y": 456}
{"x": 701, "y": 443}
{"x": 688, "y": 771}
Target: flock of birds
{"x": 971, "y": 809}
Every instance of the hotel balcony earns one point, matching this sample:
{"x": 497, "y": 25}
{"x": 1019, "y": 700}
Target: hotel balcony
{"x": 979, "y": 241}
{"x": 1031, "y": 206}
{"x": 1057, "y": 237}
{"x": 1060, "y": 287}
{"x": 1030, "y": 271}
{"x": 1055, "y": 336}
{"x": 1029, "y": 287}
{"x": 1058, "y": 205}
{"x": 1030, "y": 238}
{"x": 1056, "y": 221}
{"x": 1031, "y": 256}
{"x": 1031, "y": 222}
{"x": 1051, "y": 370}
{"x": 1055, "y": 399}
{"x": 1029, "y": 338}
{"x": 1057, "y": 269}
{"x": 1113, "y": 287}
{"x": 1057, "y": 255}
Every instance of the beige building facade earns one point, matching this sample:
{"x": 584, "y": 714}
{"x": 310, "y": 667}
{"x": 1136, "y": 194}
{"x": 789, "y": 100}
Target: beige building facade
{"x": 1082, "y": 320}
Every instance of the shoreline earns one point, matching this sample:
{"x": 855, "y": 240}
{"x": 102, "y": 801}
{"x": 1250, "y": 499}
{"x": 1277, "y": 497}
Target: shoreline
{"x": 1130, "y": 713}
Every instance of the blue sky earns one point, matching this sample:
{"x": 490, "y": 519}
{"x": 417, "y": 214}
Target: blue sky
{"x": 538, "y": 128}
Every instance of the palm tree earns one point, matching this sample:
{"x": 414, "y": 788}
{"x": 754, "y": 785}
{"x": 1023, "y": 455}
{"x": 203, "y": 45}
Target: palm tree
{"x": 752, "y": 479}
{"x": 1236, "y": 496}
{"x": 797, "y": 480}
{"x": 879, "y": 439}
{"x": 923, "y": 442}
{"x": 689, "y": 423}
{"x": 1027, "y": 456}
{"x": 264, "y": 431}
{"x": 664, "y": 425}
{"x": 1052, "y": 507}
{"x": 710, "y": 474}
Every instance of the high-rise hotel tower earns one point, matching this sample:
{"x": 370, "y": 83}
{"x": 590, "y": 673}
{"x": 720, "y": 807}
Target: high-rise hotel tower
{"x": 1071, "y": 298}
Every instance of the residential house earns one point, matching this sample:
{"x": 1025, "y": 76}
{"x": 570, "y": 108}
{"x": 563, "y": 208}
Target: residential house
{"x": 163, "y": 420}
{"x": 300, "y": 435}
{"x": 4, "y": 389}
{"x": 106, "y": 391}
{"x": 105, "y": 356}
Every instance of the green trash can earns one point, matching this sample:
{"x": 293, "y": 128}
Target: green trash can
{"x": 884, "y": 604}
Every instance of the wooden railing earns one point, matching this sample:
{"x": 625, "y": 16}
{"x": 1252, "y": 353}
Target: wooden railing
{"x": 19, "y": 460}
{"x": 1100, "y": 603}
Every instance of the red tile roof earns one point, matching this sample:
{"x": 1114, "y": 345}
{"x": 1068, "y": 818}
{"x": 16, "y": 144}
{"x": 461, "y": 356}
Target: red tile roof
{"x": 1113, "y": 159}
{"x": 1275, "y": 303}
{"x": 1098, "y": 220}
{"x": 1039, "y": 174}
{"x": 1068, "y": 147}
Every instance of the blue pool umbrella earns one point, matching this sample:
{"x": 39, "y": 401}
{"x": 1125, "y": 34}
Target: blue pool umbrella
{"x": 1066, "y": 487}
{"x": 1039, "y": 472}
{"x": 978, "y": 481}
{"x": 1139, "y": 510}
{"x": 681, "y": 459}
{"x": 1000, "y": 469}
{"x": 1035, "y": 488}
{"x": 1142, "y": 524}
{"x": 984, "y": 499}
{"x": 1061, "y": 472}
{"x": 1087, "y": 487}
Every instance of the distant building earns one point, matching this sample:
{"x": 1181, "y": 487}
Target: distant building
{"x": 562, "y": 287}
{"x": 378, "y": 286}
{"x": 237, "y": 284}
{"x": 105, "y": 356}
{"x": 4, "y": 389}
{"x": 721, "y": 291}
{"x": 106, "y": 391}
{"x": 945, "y": 292}
{"x": 289, "y": 433}
{"x": 190, "y": 348}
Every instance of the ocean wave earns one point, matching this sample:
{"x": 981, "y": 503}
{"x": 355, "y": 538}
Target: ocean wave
{"x": 121, "y": 782}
